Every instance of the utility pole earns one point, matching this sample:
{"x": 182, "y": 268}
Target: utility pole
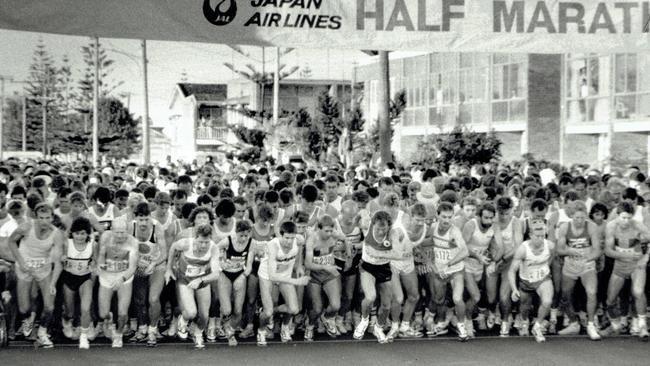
{"x": 384, "y": 111}
{"x": 2, "y": 113}
{"x": 24, "y": 125}
{"x": 96, "y": 107}
{"x": 146, "y": 153}
{"x": 276, "y": 88}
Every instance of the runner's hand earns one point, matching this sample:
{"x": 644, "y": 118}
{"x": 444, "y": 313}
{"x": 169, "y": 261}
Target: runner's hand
{"x": 300, "y": 272}
{"x": 303, "y": 281}
{"x": 194, "y": 284}
{"x": 169, "y": 275}
{"x": 6, "y": 296}
{"x": 515, "y": 296}
{"x": 333, "y": 270}
{"x": 52, "y": 289}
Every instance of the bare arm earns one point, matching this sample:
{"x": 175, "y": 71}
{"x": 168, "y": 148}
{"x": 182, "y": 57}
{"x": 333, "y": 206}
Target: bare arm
{"x": 13, "y": 240}
{"x": 463, "y": 252}
{"x": 595, "y": 242}
{"x": 56, "y": 255}
{"x": 519, "y": 255}
{"x": 562, "y": 248}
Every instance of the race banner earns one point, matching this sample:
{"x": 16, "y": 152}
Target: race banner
{"x": 531, "y": 26}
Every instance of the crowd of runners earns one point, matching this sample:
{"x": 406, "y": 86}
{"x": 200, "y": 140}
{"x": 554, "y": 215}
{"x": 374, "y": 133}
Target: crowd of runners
{"x": 235, "y": 251}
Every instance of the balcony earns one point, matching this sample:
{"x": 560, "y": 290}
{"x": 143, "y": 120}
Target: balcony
{"x": 211, "y": 135}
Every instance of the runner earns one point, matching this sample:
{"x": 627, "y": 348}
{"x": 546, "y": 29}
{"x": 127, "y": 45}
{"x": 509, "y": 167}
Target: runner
{"x": 236, "y": 264}
{"x": 579, "y": 243}
{"x": 404, "y": 275}
{"x": 626, "y": 242}
{"x": 449, "y": 253}
{"x": 79, "y": 265}
{"x": 117, "y": 262}
{"x": 37, "y": 261}
{"x": 484, "y": 246}
{"x": 375, "y": 272}
{"x": 533, "y": 262}
{"x": 149, "y": 278}
{"x": 348, "y": 224}
{"x": 275, "y": 271}
{"x": 323, "y": 270}
{"x": 196, "y": 267}
{"x": 102, "y": 209}
{"x": 512, "y": 237}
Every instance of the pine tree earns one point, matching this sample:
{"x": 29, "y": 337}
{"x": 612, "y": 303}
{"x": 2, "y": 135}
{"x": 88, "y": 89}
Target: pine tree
{"x": 41, "y": 90}
{"x": 87, "y": 81}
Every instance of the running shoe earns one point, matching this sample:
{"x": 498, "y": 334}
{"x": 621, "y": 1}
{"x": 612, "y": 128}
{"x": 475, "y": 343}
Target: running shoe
{"x": 198, "y": 338}
{"x": 182, "y": 328}
{"x": 393, "y": 332}
{"x": 83, "y": 341}
{"x": 92, "y": 333}
{"x": 643, "y": 329}
{"x": 552, "y": 327}
{"x": 340, "y": 325}
{"x": 247, "y": 332}
{"x": 480, "y": 322}
{"x": 491, "y": 320}
{"x": 572, "y": 329}
{"x": 285, "y": 334}
{"x": 44, "y": 340}
{"x": 68, "y": 329}
{"x": 320, "y": 326}
{"x": 410, "y": 333}
{"x": 309, "y": 333}
{"x": 27, "y": 327}
{"x": 117, "y": 340}
{"x": 371, "y": 325}
{"x": 347, "y": 322}
{"x": 505, "y": 329}
{"x": 152, "y": 340}
{"x": 261, "y": 337}
{"x": 634, "y": 326}
{"x": 462, "y": 332}
{"x": 211, "y": 333}
{"x": 583, "y": 319}
{"x": 524, "y": 330}
{"x": 469, "y": 326}
{"x": 173, "y": 329}
{"x": 330, "y": 326}
{"x": 592, "y": 331}
{"x": 625, "y": 324}
{"x": 378, "y": 332}
{"x": 360, "y": 330}
{"x": 221, "y": 333}
{"x": 140, "y": 335}
{"x": 538, "y": 334}
{"x": 440, "y": 328}
{"x": 616, "y": 326}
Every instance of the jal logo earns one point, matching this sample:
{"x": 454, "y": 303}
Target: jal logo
{"x": 222, "y": 14}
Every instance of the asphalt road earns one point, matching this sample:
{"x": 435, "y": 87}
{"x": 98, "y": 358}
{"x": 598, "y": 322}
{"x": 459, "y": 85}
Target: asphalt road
{"x": 620, "y": 351}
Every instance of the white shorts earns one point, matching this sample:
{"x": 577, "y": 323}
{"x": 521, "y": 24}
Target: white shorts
{"x": 106, "y": 279}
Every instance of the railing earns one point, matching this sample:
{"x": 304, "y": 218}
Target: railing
{"x": 211, "y": 133}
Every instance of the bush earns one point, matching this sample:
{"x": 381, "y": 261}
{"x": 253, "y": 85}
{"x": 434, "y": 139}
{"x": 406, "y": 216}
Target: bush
{"x": 250, "y": 155}
{"x": 459, "y": 146}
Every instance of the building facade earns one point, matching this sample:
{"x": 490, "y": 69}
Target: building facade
{"x": 197, "y": 124}
{"x": 529, "y": 100}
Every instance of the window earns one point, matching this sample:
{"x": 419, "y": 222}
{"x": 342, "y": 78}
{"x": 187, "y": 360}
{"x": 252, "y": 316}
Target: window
{"x": 212, "y": 116}
{"x": 631, "y": 86}
{"x": 587, "y": 88}
{"x": 416, "y": 87}
{"x": 509, "y": 83}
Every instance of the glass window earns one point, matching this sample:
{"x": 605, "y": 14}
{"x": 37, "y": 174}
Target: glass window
{"x": 587, "y": 85}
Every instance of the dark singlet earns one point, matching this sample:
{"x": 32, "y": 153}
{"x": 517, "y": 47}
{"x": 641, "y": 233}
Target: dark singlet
{"x": 235, "y": 261}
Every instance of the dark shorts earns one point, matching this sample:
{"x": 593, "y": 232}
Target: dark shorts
{"x": 354, "y": 269}
{"x": 321, "y": 277}
{"x": 256, "y": 267}
{"x": 382, "y": 273}
{"x": 74, "y": 282}
{"x": 233, "y": 276}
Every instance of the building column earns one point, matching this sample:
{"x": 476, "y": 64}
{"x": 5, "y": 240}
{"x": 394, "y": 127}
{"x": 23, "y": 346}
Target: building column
{"x": 648, "y": 155}
{"x": 603, "y": 148}
{"x": 524, "y": 141}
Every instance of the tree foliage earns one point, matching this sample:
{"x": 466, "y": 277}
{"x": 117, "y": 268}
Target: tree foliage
{"x": 250, "y": 136}
{"x": 459, "y": 146}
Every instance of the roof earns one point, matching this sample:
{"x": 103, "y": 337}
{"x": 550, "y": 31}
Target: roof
{"x": 204, "y": 92}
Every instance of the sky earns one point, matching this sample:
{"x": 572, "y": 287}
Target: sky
{"x": 201, "y": 62}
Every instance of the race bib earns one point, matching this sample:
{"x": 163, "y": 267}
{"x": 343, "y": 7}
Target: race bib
{"x": 325, "y": 260}
{"x": 77, "y": 265}
{"x": 442, "y": 256}
{"x": 35, "y": 263}
{"x": 538, "y": 273}
{"x": 194, "y": 271}
{"x": 116, "y": 266}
